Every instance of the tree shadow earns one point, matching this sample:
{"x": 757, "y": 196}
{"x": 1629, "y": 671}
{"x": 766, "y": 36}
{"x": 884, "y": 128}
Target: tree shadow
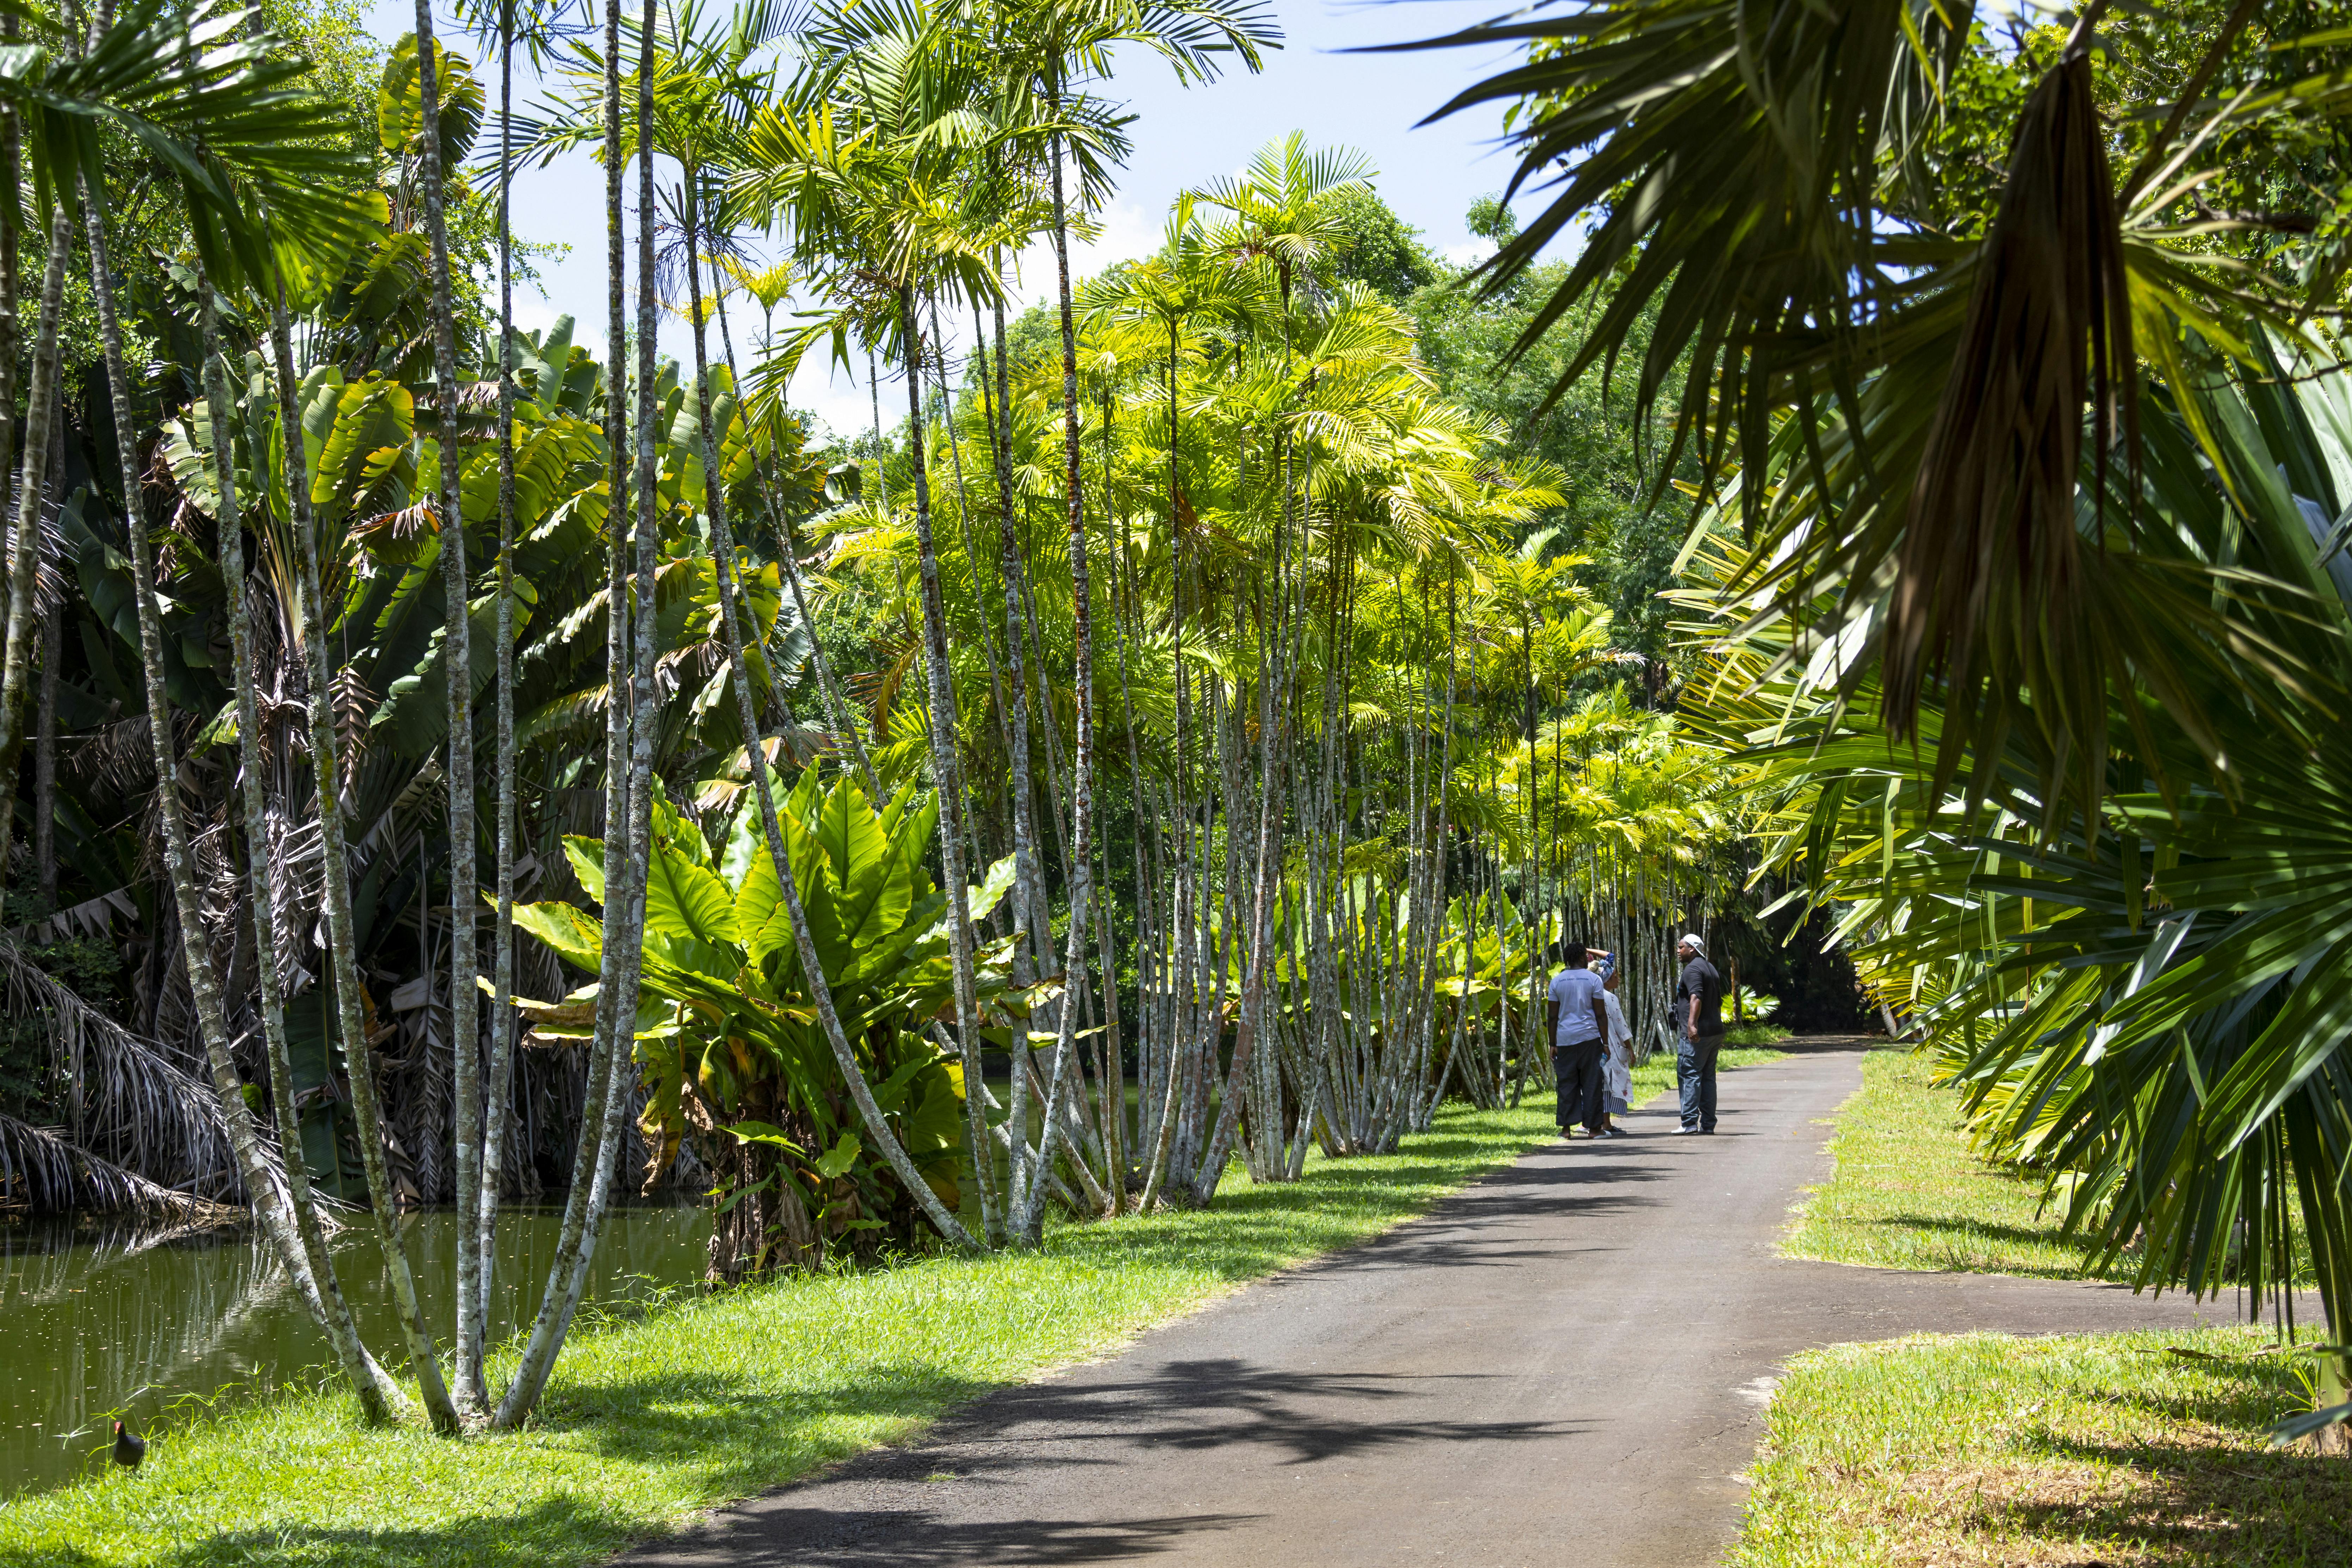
{"x": 2185, "y": 1503}
{"x": 918, "y": 1538}
{"x": 737, "y": 1436}
{"x": 1298, "y": 1418}
{"x": 887, "y": 1505}
{"x": 1955, "y": 1233}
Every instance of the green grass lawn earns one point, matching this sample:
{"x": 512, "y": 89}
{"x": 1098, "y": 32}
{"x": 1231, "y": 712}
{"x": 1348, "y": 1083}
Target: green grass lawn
{"x": 709, "y": 1399}
{"x": 1909, "y": 1192}
{"x": 1983, "y": 1449}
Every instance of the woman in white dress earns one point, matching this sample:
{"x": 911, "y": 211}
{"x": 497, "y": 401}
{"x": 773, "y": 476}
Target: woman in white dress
{"x": 1617, "y": 1067}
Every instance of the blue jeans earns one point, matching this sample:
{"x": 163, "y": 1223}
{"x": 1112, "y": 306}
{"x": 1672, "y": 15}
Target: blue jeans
{"x": 1694, "y": 1070}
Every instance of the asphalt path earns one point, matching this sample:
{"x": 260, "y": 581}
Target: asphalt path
{"x": 1567, "y": 1363}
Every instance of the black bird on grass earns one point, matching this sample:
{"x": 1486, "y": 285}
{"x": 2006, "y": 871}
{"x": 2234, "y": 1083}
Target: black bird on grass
{"x": 130, "y": 1448}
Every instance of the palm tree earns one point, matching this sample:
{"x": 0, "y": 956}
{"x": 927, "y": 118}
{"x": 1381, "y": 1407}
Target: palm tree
{"x": 1286, "y": 213}
{"x": 1050, "y": 46}
{"x": 457, "y": 656}
{"x": 1942, "y": 424}
{"x": 2175, "y": 955}
{"x": 539, "y": 29}
{"x": 377, "y": 1396}
{"x": 628, "y": 699}
{"x": 865, "y": 197}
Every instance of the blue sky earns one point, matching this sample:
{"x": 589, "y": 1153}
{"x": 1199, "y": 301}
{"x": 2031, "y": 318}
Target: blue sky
{"x": 1183, "y": 138}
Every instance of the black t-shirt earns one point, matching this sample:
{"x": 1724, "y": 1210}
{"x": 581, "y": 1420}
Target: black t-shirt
{"x": 1700, "y": 979}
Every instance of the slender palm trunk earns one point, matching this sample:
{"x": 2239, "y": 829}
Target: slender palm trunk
{"x": 947, "y": 752}
{"x": 881, "y": 467}
{"x": 40, "y": 414}
{"x": 475, "y": 1326}
{"x": 609, "y": 1073}
{"x": 1028, "y": 878}
{"x": 11, "y": 167}
{"x": 1082, "y": 801}
{"x": 21, "y": 510}
{"x": 45, "y": 757}
{"x": 458, "y": 663}
{"x": 838, "y": 711}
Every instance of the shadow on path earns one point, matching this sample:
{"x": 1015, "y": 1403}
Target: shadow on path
{"x": 1586, "y": 1334}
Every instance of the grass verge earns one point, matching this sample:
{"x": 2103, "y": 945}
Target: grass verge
{"x": 1909, "y": 1193}
{"x": 2115, "y": 1449}
{"x": 712, "y": 1399}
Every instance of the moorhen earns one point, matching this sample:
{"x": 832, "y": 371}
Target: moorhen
{"x": 130, "y": 1448}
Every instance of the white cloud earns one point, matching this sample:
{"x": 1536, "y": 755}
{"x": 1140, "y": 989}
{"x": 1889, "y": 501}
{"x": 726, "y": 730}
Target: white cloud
{"x": 1470, "y": 253}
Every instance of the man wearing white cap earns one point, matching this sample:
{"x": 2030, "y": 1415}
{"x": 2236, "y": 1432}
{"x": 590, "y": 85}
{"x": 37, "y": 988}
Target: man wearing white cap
{"x": 1698, "y": 1019}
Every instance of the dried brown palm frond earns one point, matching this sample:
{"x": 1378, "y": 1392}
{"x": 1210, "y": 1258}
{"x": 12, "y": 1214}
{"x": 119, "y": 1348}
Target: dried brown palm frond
{"x": 129, "y": 1100}
{"x": 50, "y": 564}
{"x": 1993, "y": 540}
{"x": 43, "y": 1172}
{"x": 115, "y": 756}
{"x": 91, "y": 917}
{"x": 352, "y": 702}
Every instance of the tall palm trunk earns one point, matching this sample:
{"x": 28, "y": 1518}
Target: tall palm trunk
{"x": 1082, "y": 804}
{"x": 40, "y": 414}
{"x": 457, "y": 662}
{"x": 20, "y": 508}
{"x": 45, "y": 757}
{"x": 474, "y": 1324}
{"x": 947, "y": 752}
{"x": 1028, "y": 878}
{"x": 342, "y": 1332}
{"x": 1271, "y": 727}
{"x": 608, "y": 1072}
{"x": 11, "y": 167}
{"x": 838, "y": 711}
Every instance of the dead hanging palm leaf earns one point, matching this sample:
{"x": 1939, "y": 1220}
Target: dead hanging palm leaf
{"x": 131, "y": 1101}
{"x": 41, "y": 1172}
{"x": 1989, "y": 592}
{"x": 91, "y": 917}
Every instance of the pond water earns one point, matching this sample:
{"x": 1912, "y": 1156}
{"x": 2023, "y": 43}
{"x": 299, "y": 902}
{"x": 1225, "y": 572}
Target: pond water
{"x": 96, "y": 1321}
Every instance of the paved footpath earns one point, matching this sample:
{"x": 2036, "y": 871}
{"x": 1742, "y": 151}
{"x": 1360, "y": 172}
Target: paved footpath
{"x": 1566, "y": 1364}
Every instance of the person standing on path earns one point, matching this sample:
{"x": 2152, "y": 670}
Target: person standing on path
{"x": 1698, "y": 1027}
{"x": 1580, "y": 1036}
{"x": 1618, "y": 1069}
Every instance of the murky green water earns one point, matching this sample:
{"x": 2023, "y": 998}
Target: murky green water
{"x": 95, "y": 1320}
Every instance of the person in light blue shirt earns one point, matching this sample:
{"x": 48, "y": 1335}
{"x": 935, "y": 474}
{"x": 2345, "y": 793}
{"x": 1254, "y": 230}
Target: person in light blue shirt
{"x": 1579, "y": 1021}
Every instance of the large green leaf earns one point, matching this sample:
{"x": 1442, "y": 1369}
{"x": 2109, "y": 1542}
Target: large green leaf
{"x": 568, "y": 932}
{"x": 399, "y": 103}
{"x": 686, "y": 900}
{"x": 587, "y": 857}
{"x": 874, "y": 882}
{"x": 747, "y": 840}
